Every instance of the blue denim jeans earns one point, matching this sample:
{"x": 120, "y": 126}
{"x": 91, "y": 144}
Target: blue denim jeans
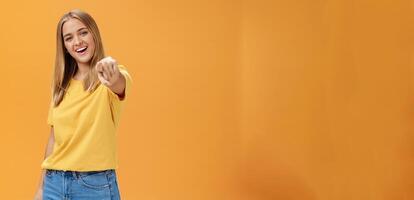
{"x": 72, "y": 185}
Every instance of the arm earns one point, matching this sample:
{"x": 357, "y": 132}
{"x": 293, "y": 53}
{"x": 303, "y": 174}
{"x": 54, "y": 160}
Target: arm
{"x": 48, "y": 151}
{"x": 110, "y": 76}
{"x": 119, "y": 86}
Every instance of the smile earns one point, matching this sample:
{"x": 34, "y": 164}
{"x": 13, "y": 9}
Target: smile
{"x": 81, "y": 50}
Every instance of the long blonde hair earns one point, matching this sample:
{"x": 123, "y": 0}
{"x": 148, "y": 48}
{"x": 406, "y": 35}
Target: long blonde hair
{"x": 66, "y": 66}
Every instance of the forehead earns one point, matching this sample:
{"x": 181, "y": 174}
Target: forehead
{"x": 72, "y": 25}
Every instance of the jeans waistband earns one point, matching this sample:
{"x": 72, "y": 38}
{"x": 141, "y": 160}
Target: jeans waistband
{"x": 77, "y": 173}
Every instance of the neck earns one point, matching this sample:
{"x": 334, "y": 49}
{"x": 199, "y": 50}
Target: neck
{"x": 83, "y": 69}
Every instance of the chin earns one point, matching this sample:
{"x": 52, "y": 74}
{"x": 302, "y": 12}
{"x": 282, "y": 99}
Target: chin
{"x": 83, "y": 60}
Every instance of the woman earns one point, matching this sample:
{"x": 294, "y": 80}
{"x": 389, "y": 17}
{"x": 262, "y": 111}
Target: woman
{"x": 88, "y": 92}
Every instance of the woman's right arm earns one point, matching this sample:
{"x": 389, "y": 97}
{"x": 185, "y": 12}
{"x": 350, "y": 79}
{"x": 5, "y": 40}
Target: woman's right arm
{"x": 48, "y": 151}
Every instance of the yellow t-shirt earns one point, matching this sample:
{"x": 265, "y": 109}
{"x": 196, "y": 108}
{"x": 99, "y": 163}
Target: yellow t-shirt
{"x": 84, "y": 128}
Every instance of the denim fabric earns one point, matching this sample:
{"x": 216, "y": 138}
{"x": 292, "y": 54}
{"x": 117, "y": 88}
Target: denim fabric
{"x": 72, "y": 185}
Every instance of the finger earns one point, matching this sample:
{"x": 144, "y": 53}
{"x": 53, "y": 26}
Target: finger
{"x": 98, "y": 67}
{"x": 102, "y": 79}
{"x": 106, "y": 59}
{"x": 109, "y": 69}
{"x": 101, "y": 76}
{"x": 112, "y": 68}
{"x": 102, "y": 71}
{"x": 106, "y": 72}
{"x": 105, "y": 82}
{"x": 105, "y": 75}
{"x": 115, "y": 67}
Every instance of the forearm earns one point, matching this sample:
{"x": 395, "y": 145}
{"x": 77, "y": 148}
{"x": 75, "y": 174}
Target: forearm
{"x": 50, "y": 143}
{"x": 48, "y": 151}
{"x": 119, "y": 86}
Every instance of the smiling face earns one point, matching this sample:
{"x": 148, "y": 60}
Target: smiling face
{"x": 78, "y": 41}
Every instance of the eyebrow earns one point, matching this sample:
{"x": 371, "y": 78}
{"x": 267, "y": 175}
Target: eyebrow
{"x": 76, "y": 31}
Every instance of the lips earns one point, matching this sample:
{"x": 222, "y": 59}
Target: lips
{"x": 81, "y": 50}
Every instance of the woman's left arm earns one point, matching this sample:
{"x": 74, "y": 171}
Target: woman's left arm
{"x": 110, "y": 76}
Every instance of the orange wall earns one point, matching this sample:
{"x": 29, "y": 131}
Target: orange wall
{"x": 243, "y": 100}
{"x": 327, "y": 100}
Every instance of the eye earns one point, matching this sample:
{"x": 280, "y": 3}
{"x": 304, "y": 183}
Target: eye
{"x": 67, "y": 39}
{"x": 83, "y": 33}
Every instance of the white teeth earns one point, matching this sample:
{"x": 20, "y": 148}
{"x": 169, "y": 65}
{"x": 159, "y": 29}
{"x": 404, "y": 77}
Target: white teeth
{"x": 81, "y": 49}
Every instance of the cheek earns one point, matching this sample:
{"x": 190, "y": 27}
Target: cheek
{"x": 67, "y": 46}
{"x": 91, "y": 42}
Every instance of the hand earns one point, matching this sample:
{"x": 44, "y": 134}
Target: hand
{"x": 108, "y": 72}
{"x": 39, "y": 194}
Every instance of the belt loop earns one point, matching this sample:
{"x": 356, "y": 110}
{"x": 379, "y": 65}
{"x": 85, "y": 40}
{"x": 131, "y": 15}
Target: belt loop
{"x": 75, "y": 174}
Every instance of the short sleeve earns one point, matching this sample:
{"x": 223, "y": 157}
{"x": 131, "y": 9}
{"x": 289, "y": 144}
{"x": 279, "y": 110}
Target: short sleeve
{"x": 50, "y": 114}
{"x": 128, "y": 82}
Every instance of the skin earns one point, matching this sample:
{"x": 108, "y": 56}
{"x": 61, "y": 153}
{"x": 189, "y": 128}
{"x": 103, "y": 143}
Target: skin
{"x": 48, "y": 151}
{"x": 76, "y": 36}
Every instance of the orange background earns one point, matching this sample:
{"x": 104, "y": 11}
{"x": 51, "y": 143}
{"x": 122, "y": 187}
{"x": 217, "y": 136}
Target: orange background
{"x": 231, "y": 100}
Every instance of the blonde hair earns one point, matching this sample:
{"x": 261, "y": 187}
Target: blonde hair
{"x": 65, "y": 64}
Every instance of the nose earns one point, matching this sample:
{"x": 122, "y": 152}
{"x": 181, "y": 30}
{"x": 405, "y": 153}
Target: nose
{"x": 76, "y": 41}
